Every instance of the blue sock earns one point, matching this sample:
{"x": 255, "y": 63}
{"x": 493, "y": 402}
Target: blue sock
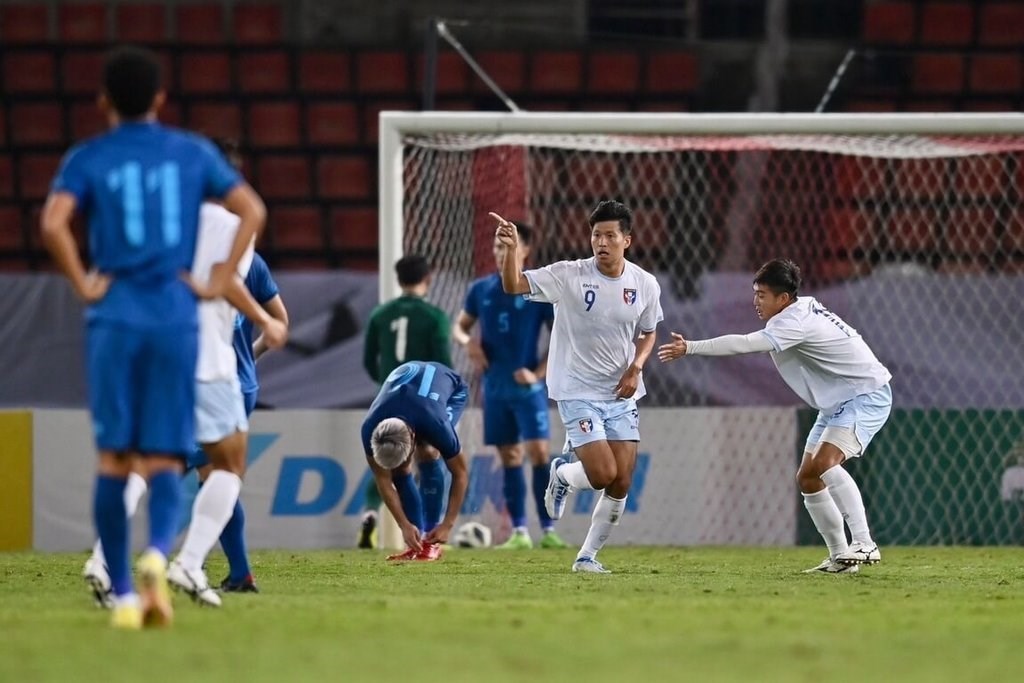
{"x": 164, "y": 497}
{"x": 412, "y": 505}
{"x": 432, "y": 491}
{"x": 541, "y": 474}
{"x": 515, "y": 494}
{"x": 232, "y": 540}
{"x": 111, "y": 520}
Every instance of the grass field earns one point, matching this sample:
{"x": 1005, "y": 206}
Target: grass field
{"x": 925, "y": 614}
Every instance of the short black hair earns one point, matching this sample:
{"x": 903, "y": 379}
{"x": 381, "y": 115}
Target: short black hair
{"x": 780, "y": 275}
{"x": 412, "y": 270}
{"x": 525, "y": 231}
{"x": 611, "y": 210}
{"x": 231, "y": 150}
{"x": 131, "y": 80}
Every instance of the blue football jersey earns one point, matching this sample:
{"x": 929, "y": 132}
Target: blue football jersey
{"x": 140, "y": 187}
{"x": 510, "y": 328}
{"x": 261, "y": 285}
{"x": 429, "y": 397}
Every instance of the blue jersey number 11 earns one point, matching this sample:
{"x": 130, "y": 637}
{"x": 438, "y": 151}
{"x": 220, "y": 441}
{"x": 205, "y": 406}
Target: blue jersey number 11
{"x": 165, "y": 178}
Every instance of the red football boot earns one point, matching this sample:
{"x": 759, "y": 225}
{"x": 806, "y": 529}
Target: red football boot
{"x": 408, "y": 554}
{"x": 430, "y": 552}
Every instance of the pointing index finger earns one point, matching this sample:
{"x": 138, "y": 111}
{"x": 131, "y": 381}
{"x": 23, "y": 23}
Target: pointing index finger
{"x": 498, "y": 218}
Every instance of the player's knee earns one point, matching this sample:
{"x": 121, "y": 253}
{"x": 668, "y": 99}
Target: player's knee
{"x": 602, "y": 475}
{"x": 619, "y": 488}
{"x": 511, "y": 456}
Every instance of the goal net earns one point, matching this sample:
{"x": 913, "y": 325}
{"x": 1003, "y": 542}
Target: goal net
{"x": 910, "y": 227}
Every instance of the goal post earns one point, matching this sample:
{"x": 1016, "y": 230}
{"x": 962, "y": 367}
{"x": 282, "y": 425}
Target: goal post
{"x": 911, "y": 226}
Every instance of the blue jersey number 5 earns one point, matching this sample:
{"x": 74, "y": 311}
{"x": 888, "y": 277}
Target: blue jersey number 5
{"x": 165, "y": 178}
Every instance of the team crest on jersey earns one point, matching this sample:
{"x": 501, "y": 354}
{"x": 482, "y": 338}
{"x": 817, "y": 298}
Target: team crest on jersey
{"x": 586, "y": 426}
{"x": 629, "y": 296}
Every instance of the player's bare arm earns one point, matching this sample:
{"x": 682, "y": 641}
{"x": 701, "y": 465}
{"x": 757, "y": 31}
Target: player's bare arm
{"x": 512, "y": 279}
{"x": 389, "y": 494}
{"x": 457, "y": 494}
{"x": 630, "y": 379}
{"x": 55, "y": 224}
{"x": 275, "y": 307}
{"x": 275, "y": 332}
{"x": 462, "y": 334}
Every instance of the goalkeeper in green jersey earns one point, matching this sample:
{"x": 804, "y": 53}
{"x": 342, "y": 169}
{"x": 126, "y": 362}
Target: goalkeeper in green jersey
{"x": 405, "y": 329}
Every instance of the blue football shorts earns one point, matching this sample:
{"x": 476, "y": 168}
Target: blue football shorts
{"x": 511, "y": 421}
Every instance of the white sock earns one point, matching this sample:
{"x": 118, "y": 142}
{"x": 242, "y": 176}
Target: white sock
{"x": 134, "y": 489}
{"x": 573, "y": 474}
{"x": 607, "y": 514}
{"x": 827, "y": 520}
{"x": 846, "y": 495}
{"x": 210, "y": 513}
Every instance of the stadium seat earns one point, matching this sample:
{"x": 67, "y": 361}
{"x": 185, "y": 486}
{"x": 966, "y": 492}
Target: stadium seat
{"x": 82, "y": 22}
{"x": 35, "y": 172}
{"x": 996, "y": 73}
{"x": 296, "y": 227}
{"x": 3, "y": 126}
{"x": 859, "y": 178}
{"x": 283, "y": 177}
{"x": 354, "y": 229}
{"x": 344, "y": 177}
{"x": 506, "y": 68}
{"x": 200, "y": 24}
{"x": 1001, "y": 24}
{"x": 972, "y": 231}
{"x": 382, "y": 72}
{"x": 556, "y": 72}
{"x": 913, "y": 232}
{"x": 86, "y": 120}
{"x": 645, "y": 176}
{"x": 613, "y": 73}
{"x": 928, "y": 104}
{"x": 371, "y": 116}
{"x": 593, "y": 176}
{"x": 940, "y": 73}
{"x": 82, "y": 71}
{"x": 919, "y": 178}
{"x": 274, "y": 124}
{"x": 141, "y": 23}
{"x": 11, "y": 234}
{"x": 947, "y": 23}
{"x": 170, "y": 114}
{"x": 24, "y": 23}
{"x": 325, "y": 72}
{"x": 989, "y": 105}
{"x": 37, "y": 123}
{"x": 216, "y": 119}
{"x": 332, "y": 123}
{"x": 29, "y": 72}
{"x": 452, "y": 73}
{"x": 671, "y": 73}
{"x": 264, "y": 72}
{"x": 6, "y": 177}
{"x": 981, "y": 177}
{"x": 847, "y": 232}
{"x": 889, "y": 23}
{"x": 206, "y": 72}
{"x": 257, "y": 24}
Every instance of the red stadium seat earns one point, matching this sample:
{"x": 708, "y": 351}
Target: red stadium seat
{"x": 82, "y": 22}
{"x": 920, "y": 178}
{"x": 889, "y": 23}
{"x": 989, "y": 105}
{"x": 382, "y": 72}
{"x": 86, "y": 121}
{"x": 82, "y": 71}
{"x": 506, "y": 68}
{"x": 671, "y": 72}
{"x": 264, "y": 72}
{"x": 296, "y": 227}
{"x": 981, "y": 176}
{"x": 283, "y": 177}
{"x": 201, "y": 24}
{"x": 6, "y": 177}
{"x": 345, "y": 177}
{"x": 996, "y": 73}
{"x": 354, "y": 229}
{"x": 645, "y": 176}
{"x": 24, "y": 23}
{"x": 3, "y": 127}
{"x": 556, "y": 72}
{"x": 170, "y": 114}
{"x": 258, "y": 24}
{"x": 847, "y": 231}
{"x": 1001, "y": 24}
{"x": 940, "y": 73}
{"x": 37, "y": 124}
{"x": 613, "y": 73}
{"x": 452, "y": 73}
{"x": 593, "y": 176}
{"x": 141, "y": 23}
{"x": 329, "y": 123}
{"x": 11, "y": 234}
{"x": 35, "y": 172}
{"x": 972, "y": 231}
{"x": 274, "y": 124}
{"x": 947, "y": 23}
{"x": 325, "y": 72}
{"x": 216, "y": 119}
{"x": 29, "y": 72}
{"x": 205, "y": 72}
{"x": 913, "y": 231}
{"x": 371, "y": 116}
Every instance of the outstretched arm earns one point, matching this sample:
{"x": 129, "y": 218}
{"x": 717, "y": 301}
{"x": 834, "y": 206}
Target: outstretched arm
{"x": 512, "y": 279}
{"x": 727, "y": 345}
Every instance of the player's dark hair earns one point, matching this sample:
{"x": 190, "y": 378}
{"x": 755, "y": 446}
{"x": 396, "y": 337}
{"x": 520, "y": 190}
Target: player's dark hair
{"x": 525, "y": 231}
{"x": 131, "y": 80}
{"x": 611, "y": 210}
{"x": 412, "y": 270}
{"x": 779, "y": 275}
{"x": 231, "y": 150}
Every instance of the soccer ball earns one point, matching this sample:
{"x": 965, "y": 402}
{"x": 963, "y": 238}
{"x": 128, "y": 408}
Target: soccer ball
{"x": 473, "y": 535}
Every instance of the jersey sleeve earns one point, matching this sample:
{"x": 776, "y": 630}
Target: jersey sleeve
{"x": 72, "y": 177}
{"x": 652, "y": 313}
{"x": 371, "y": 346}
{"x": 472, "y": 305}
{"x": 784, "y": 332}
{"x": 219, "y": 177}
{"x": 365, "y": 432}
{"x": 442, "y": 349}
{"x": 260, "y": 282}
{"x": 547, "y": 284}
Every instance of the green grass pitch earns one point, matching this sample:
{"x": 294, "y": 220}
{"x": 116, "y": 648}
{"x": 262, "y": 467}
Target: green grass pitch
{"x": 666, "y": 614}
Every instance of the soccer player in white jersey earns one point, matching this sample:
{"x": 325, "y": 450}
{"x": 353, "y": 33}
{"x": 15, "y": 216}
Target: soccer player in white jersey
{"x": 606, "y": 312}
{"x": 829, "y": 365}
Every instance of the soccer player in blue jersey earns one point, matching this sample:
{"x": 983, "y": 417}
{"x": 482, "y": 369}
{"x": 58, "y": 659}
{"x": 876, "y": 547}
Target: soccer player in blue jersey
{"x": 414, "y": 418}
{"x": 140, "y": 187}
{"x": 515, "y": 396}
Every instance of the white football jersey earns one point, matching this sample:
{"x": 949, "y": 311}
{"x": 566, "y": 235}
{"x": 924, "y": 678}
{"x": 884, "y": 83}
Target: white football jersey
{"x": 597, "y": 319}
{"x": 820, "y": 357}
{"x": 217, "y": 230}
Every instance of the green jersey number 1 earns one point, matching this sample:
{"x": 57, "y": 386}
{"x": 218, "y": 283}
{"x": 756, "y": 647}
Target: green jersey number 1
{"x": 400, "y": 326}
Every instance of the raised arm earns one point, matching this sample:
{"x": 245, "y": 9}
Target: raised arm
{"x": 512, "y": 279}
{"x": 727, "y": 345}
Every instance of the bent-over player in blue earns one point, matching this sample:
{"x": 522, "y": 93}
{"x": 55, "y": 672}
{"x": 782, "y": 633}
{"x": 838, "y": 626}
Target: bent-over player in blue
{"x": 414, "y": 416}
{"x": 140, "y": 187}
